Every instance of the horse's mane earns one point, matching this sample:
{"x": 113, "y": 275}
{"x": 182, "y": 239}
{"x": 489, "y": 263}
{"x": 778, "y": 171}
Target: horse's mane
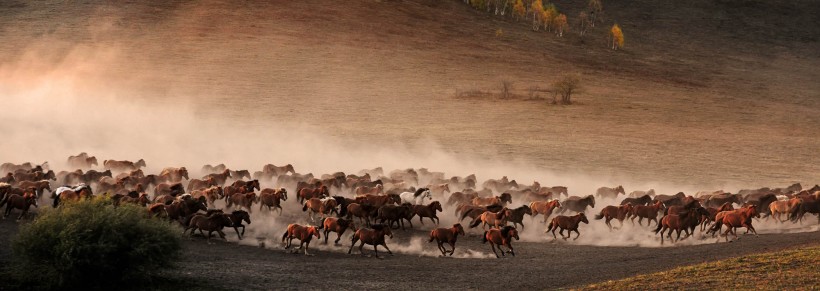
{"x": 3, "y": 184}
{"x": 419, "y": 191}
{"x": 505, "y": 231}
{"x": 238, "y": 212}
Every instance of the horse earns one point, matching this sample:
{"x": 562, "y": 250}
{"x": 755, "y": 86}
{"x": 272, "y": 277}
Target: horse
{"x": 173, "y": 190}
{"x": 182, "y": 207}
{"x": 448, "y": 235}
{"x": 364, "y": 190}
{"x": 237, "y": 217}
{"x": 362, "y": 211}
{"x": 639, "y": 193}
{"x": 461, "y": 198}
{"x": 195, "y": 184}
{"x": 606, "y": 192}
{"x": 22, "y": 202}
{"x": 501, "y": 185}
{"x": 557, "y": 190}
{"x": 670, "y": 200}
{"x": 569, "y": 223}
{"x": 141, "y": 200}
{"x": 501, "y": 237}
{"x": 428, "y": 210}
{"x": 123, "y": 166}
{"x": 38, "y": 185}
{"x": 8, "y": 179}
{"x": 211, "y": 194}
{"x": 373, "y": 236}
{"x": 219, "y": 178}
{"x": 439, "y": 189}
{"x": 811, "y": 204}
{"x": 34, "y": 176}
{"x": 577, "y": 204}
{"x": 174, "y": 175}
{"x": 272, "y": 198}
{"x": 473, "y": 211}
{"x": 82, "y": 161}
{"x": 337, "y": 225}
{"x": 718, "y": 200}
{"x": 466, "y": 182}
{"x": 67, "y": 193}
{"x": 416, "y": 198}
{"x": 396, "y": 213}
{"x": 278, "y": 171}
{"x": 517, "y": 215}
{"x": 502, "y": 199}
{"x": 712, "y": 213}
{"x": 214, "y": 222}
{"x": 544, "y": 207}
{"x": 491, "y": 218}
{"x": 615, "y": 212}
{"x": 677, "y": 222}
{"x": 239, "y": 174}
{"x": 736, "y": 218}
{"x": 642, "y": 200}
{"x": 252, "y": 184}
{"x": 379, "y": 200}
{"x": 648, "y": 212}
{"x": 208, "y": 169}
{"x": 245, "y": 200}
{"x": 323, "y": 206}
{"x": 307, "y": 193}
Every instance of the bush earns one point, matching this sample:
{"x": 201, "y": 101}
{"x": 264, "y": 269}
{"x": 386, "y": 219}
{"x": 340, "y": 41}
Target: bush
{"x": 92, "y": 244}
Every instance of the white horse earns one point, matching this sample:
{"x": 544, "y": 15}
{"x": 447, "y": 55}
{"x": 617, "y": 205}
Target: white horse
{"x": 416, "y": 198}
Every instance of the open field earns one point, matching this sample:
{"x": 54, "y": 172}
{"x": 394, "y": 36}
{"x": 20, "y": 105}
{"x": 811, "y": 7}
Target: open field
{"x": 706, "y": 95}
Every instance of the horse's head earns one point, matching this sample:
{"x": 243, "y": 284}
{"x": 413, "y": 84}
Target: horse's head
{"x": 620, "y": 189}
{"x": 255, "y": 184}
{"x": 183, "y": 172}
{"x": 284, "y": 193}
{"x": 242, "y": 215}
{"x": 30, "y": 198}
{"x": 314, "y": 231}
{"x": 427, "y": 194}
{"x": 140, "y": 163}
{"x": 591, "y": 201}
{"x": 437, "y": 206}
{"x": 527, "y": 209}
{"x": 506, "y": 197}
{"x": 457, "y": 228}
{"x": 386, "y": 230}
{"x": 583, "y": 218}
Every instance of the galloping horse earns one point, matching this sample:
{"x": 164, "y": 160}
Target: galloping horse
{"x": 577, "y": 204}
{"x": 67, "y": 193}
{"x": 308, "y": 193}
{"x": 215, "y": 222}
{"x": 337, "y": 225}
{"x": 448, "y": 235}
{"x": 364, "y": 190}
{"x": 211, "y": 194}
{"x": 361, "y": 210}
{"x": 677, "y": 222}
{"x": 237, "y": 217}
{"x": 123, "y": 166}
{"x": 379, "y": 200}
{"x": 220, "y": 178}
{"x": 517, "y": 215}
{"x": 323, "y": 206}
{"x": 648, "y": 212}
{"x": 736, "y": 218}
{"x": 303, "y": 233}
{"x": 373, "y": 236}
{"x": 416, "y": 198}
{"x": 174, "y": 175}
{"x": 272, "y": 197}
{"x": 491, "y": 218}
{"x": 23, "y": 203}
{"x": 428, "y": 210}
{"x": 195, "y": 184}
{"x": 606, "y": 192}
{"x": 461, "y": 198}
{"x": 544, "y": 208}
{"x": 569, "y": 223}
{"x": 250, "y": 185}
{"x": 642, "y": 200}
{"x": 502, "y": 200}
{"x": 278, "y": 171}
{"x": 501, "y": 237}
{"x": 397, "y": 214}
{"x": 778, "y": 208}
{"x": 614, "y": 212}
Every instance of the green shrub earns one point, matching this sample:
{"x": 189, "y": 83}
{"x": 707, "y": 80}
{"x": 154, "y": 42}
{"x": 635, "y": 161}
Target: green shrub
{"x": 91, "y": 244}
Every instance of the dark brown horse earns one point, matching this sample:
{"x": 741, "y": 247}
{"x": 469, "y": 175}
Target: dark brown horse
{"x": 379, "y": 200}
{"x": 244, "y": 200}
{"x": 577, "y": 204}
{"x": 363, "y": 211}
{"x": 517, "y": 215}
{"x": 15, "y": 201}
{"x": 718, "y": 200}
{"x": 211, "y": 194}
{"x": 569, "y": 223}
{"x": 237, "y": 217}
{"x": 337, "y": 225}
{"x": 642, "y": 200}
{"x": 459, "y": 198}
{"x": 677, "y": 222}
{"x": 141, "y": 200}
{"x": 473, "y": 211}
{"x": 373, "y": 236}
{"x": 428, "y": 210}
{"x": 240, "y": 174}
{"x": 501, "y": 237}
{"x": 615, "y": 212}
{"x": 544, "y": 208}
{"x": 173, "y": 190}
{"x": 219, "y": 178}
{"x": 196, "y": 184}
{"x": 272, "y": 198}
{"x": 396, "y": 213}
{"x": 8, "y": 179}
{"x": 447, "y": 235}
{"x": 40, "y": 186}
{"x": 648, "y": 212}
{"x": 308, "y": 193}
{"x": 252, "y": 184}
{"x": 212, "y": 223}
{"x": 123, "y": 166}
{"x": 670, "y": 200}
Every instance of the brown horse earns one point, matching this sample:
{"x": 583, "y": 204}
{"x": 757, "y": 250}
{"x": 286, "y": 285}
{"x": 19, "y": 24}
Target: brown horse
{"x": 428, "y": 210}
{"x": 240, "y": 174}
{"x": 517, "y": 215}
{"x": 174, "y": 190}
{"x": 615, "y": 212}
{"x": 237, "y": 217}
{"x": 219, "y": 178}
{"x": 365, "y": 190}
{"x": 195, "y": 184}
{"x": 38, "y": 185}
{"x": 778, "y": 208}
{"x": 500, "y": 185}
{"x": 736, "y": 218}
{"x": 606, "y": 192}
{"x": 272, "y": 198}
{"x": 538, "y": 196}
{"x": 642, "y": 200}
{"x": 123, "y": 166}
{"x": 577, "y": 204}
{"x": 502, "y": 199}
{"x": 396, "y": 213}
{"x": 214, "y": 222}
{"x": 308, "y": 193}
{"x": 14, "y": 201}
{"x": 245, "y": 200}
{"x": 323, "y": 206}
{"x": 473, "y": 211}
{"x": 211, "y": 194}
{"x": 569, "y": 223}
{"x": 252, "y": 184}
{"x": 706, "y": 219}
{"x": 718, "y": 200}
{"x": 439, "y": 189}
{"x": 448, "y": 235}
{"x": 492, "y": 218}
{"x": 461, "y": 198}
{"x": 82, "y": 191}
{"x": 544, "y": 208}
{"x": 501, "y": 237}
{"x": 677, "y": 222}
{"x": 208, "y": 169}
{"x": 379, "y": 200}
{"x": 141, "y": 200}
{"x": 278, "y": 171}
{"x": 8, "y": 179}
{"x": 670, "y": 200}
{"x": 648, "y": 212}
{"x": 82, "y": 161}
{"x": 362, "y": 211}
{"x": 373, "y": 236}
{"x": 337, "y": 225}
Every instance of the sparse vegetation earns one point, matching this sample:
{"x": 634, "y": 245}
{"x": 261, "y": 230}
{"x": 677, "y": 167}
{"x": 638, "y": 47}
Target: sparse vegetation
{"x": 783, "y": 270}
{"x": 91, "y": 244}
{"x": 506, "y": 89}
{"x": 565, "y": 86}
{"x": 595, "y": 8}
{"x": 617, "y": 37}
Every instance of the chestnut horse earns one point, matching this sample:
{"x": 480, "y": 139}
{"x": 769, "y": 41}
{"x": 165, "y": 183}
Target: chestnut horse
{"x": 245, "y": 200}
{"x": 736, "y": 218}
{"x": 362, "y": 211}
{"x": 614, "y": 212}
{"x": 38, "y": 185}
{"x": 220, "y": 178}
{"x": 174, "y": 175}
{"x": 123, "y": 166}
{"x": 396, "y": 213}
{"x": 174, "y": 190}
{"x": 648, "y": 212}
{"x": 677, "y": 222}
{"x": 364, "y": 190}
{"x": 379, "y": 200}
{"x": 141, "y": 200}
{"x": 14, "y": 201}
{"x": 211, "y": 194}
{"x": 250, "y": 185}
{"x": 373, "y": 236}
{"x": 337, "y": 225}
{"x": 428, "y": 210}
{"x": 502, "y": 200}
{"x": 195, "y": 184}
{"x": 448, "y": 235}
{"x": 272, "y": 198}
{"x": 492, "y": 218}
{"x": 67, "y": 194}
{"x": 473, "y": 211}
{"x": 501, "y": 237}
{"x": 569, "y": 223}
{"x": 544, "y": 208}
{"x": 323, "y": 206}
{"x": 308, "y": 193}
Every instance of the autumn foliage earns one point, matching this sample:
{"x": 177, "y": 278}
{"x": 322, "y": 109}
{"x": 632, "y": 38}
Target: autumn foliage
{"x": 617, "y": 37}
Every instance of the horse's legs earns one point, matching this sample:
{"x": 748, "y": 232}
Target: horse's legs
{"x": 326, "y": 232}
{"x": 388, "y": 249}
{"x": 639, "y": 220}
{"x": 494, "y": 252}
{"x": 236, "y": 228}
{"x": 578, "y": 233}
{"x": 349, "y": 251}
{"x": 361, "y": 246}
{"x": 511, "y": 251}
{"x": 607, "y": 223}
{"x": 307, "y": 245}
{"x": 421, "y": 220}
{"x": 453, "y": 247}
{"x": 441, "y": 247}
{"x": 553, "y": 233}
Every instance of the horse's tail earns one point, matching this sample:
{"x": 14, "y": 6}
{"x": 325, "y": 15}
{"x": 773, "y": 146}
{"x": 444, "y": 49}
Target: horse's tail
{"x": 5, "y": 200}
{"x": 599, "y": 215}
{"x": 465, "y": 214}
{"x": 284, "y": 236}
{"x": 484, "y": 237}
{"x": 475, "y": 222}
{"x": 718, "y": 224}
{"x": 660, "y": 225}
{"x": 431, "y": 237}
{"x": 304, "y": 208}
{"x": 56, "y": 201}
{"x": 552, "y": 223}
{"x": 321, "y": 223}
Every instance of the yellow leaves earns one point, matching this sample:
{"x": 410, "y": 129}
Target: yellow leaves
{"x": 560, "y": 24}
{"x": 617, "y": 37}
{"x": 519, "y": 11}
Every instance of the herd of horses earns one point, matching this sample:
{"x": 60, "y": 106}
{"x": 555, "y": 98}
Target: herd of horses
{"x": 373, "y": 203}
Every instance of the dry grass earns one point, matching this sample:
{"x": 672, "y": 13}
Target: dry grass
{"x": 783, "y": 270}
